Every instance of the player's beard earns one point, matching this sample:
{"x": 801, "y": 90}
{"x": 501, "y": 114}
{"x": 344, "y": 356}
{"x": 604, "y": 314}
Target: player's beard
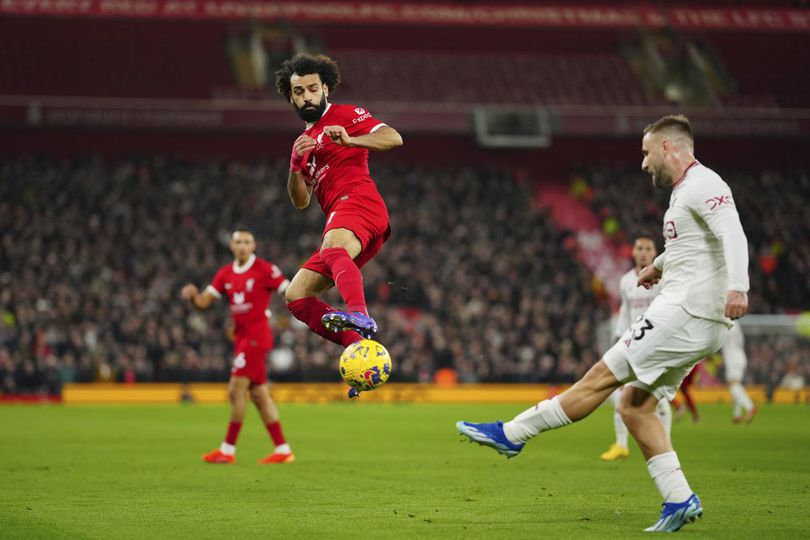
{"x": 660, "y": 178}
{"x": 311, "y": 114}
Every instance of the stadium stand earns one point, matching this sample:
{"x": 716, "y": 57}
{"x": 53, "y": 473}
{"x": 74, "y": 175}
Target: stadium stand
{"x": 476, "y": 278}
{"x": 442, "y": 299}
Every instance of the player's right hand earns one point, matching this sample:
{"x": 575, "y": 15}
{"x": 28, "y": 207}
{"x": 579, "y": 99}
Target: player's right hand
{"x": 736, "y": 304}
{"x": 649, "y": 277}
{"x": 302, "y": 145}
{"x": 189, "y": 291}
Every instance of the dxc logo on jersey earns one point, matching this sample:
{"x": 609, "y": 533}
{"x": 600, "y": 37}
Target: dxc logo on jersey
{"x": 714, "y": 202}
{"x": 239, "y": 298}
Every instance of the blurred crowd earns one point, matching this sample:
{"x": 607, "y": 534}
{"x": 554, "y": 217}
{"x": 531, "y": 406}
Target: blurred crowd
{"x": 476, "y": 283}
{"x": 92, "y": 256}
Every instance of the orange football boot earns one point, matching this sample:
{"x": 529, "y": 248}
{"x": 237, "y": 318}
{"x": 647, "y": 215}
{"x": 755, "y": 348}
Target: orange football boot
{"x": 277, "y": 457}
{"x": 218, "y": 457}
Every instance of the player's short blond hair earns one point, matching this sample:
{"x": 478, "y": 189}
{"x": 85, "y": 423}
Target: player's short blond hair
{"x": 672, "y": 122}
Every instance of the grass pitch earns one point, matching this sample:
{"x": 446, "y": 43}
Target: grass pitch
{"x": 382, "y": 471}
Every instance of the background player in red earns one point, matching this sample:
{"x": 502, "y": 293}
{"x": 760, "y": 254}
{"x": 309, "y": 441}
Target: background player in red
{"x": 248, "y": 284}
{"x": 330, "y": 159}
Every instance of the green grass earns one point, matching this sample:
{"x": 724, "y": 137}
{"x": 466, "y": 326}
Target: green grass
{"x": 382, "y": 471}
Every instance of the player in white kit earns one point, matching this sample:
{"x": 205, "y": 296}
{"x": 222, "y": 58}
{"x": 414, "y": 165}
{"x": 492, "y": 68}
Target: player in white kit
{"x": 635, "y": 301}
{"x": 705, "y": 283}
{"x": 735, "y": 360}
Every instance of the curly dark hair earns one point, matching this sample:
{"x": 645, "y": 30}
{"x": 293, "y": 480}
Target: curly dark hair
{"x": 305, "y": 64}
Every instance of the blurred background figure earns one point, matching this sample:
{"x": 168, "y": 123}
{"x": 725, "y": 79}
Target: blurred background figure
{"x": 734, "y": 360}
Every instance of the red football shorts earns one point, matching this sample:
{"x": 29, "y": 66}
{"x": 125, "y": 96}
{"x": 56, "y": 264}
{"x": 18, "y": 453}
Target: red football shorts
{"x": 364, "y": 215}
{"x": 250, "y": 360}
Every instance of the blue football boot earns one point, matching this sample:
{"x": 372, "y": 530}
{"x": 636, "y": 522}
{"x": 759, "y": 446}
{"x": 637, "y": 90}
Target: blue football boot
{"x": 340, "y": 321}
{"x": 676, "y": 515}
{"x": 491, "y": 435}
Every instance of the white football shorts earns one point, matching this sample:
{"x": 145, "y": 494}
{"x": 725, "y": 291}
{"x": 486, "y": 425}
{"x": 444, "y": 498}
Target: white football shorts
{"x": 662, "y": 346}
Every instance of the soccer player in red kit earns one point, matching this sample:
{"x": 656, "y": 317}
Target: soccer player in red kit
{"x": 330, "y": 159}
{"x": 247, "y": 283}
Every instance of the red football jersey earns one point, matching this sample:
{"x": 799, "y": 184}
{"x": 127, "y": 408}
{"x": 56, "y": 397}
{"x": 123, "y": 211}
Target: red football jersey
{"x": 335, "y": 170}
{"x": 248, "y": 289}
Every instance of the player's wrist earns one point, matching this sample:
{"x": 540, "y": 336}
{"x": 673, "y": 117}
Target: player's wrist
{"x": 296, "y": 161}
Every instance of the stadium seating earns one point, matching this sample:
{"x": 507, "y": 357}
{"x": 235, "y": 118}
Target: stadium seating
{"x": 597, "y": 78}
{"x": 55, "y": 57}
{"x": 476, "y": 278}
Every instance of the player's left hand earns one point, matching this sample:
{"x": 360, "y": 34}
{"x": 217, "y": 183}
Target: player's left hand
{"x": 338, "y": 135}
{"x": 189, "y": 291}
{"x": 648, "y": 277}
{"x": 736, "y": 304}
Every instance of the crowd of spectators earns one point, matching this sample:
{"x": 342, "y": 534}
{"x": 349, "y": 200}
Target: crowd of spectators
{"x": 476, "y": 279}
{"x": 93, "y": 254}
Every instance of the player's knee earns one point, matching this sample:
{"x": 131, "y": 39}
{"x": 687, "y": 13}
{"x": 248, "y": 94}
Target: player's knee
{"x": 255, "y": 395}
{"x": 235, "y": 395}
{"x": 599, "y": 378}
{"x": 629, "y": 414}
{"x": 292, "y": 294}
{"x": 296, "y": 291}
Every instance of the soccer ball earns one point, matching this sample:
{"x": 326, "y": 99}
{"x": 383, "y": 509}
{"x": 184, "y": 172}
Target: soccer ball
{"x": 365, "y": 365}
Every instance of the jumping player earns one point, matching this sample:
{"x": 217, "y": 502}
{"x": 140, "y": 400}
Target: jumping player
{"x": 705, "y": 283}
{"x": 635, "y": 301}
{"x": 330, "y": 159}
{"x": 248, "y": 284}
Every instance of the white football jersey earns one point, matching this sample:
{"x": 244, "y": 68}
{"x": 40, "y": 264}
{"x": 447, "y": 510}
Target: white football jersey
{"x": 635, "y": 300}
{"x": 706, "y": 251}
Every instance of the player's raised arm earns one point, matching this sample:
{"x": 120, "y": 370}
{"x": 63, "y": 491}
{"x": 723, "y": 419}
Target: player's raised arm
{"x": 381, "y": 139}
{"x": 199, "y": 300}
{"x": 299, "y": 190}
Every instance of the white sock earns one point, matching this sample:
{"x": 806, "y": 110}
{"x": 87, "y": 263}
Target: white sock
{"x": 666, "y": 472}
{"x": 616, "y": 397}
{"x": 741, "y": 396}
{"x": 546, "y": 415}
{"x": 736, "y": 406}
{"x": 227, "y": 449}
{"x": 283, "y": 449}
{"x": 664, "y": 412}
{"x": 621, "y": 429}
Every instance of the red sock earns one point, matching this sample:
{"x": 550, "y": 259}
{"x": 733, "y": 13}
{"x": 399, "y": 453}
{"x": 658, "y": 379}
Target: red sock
{"x": 347, "y": 277}
{"x": 309, "y": 310}
{"x": 233, "y": 433}
{"x": 274, "y": 429}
